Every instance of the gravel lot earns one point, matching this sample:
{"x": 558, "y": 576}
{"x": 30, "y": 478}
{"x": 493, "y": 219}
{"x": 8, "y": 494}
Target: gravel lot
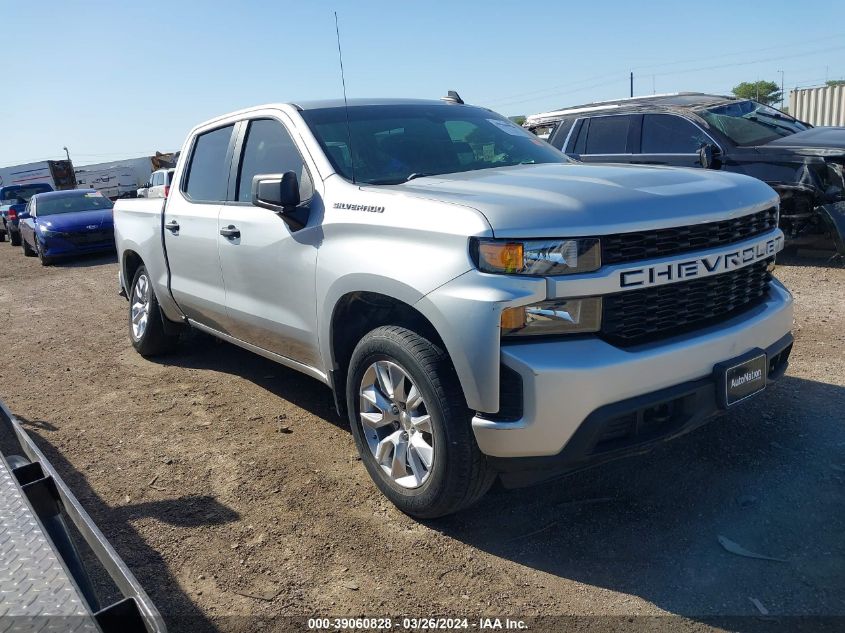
{"x": 230, "y": 486}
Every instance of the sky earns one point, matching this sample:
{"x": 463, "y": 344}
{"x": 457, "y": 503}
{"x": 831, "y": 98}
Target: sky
{"x": 114, "y": 80}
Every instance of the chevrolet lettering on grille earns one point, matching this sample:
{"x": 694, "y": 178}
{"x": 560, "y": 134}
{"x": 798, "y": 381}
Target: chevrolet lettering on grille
{"x": 695, "y": 267}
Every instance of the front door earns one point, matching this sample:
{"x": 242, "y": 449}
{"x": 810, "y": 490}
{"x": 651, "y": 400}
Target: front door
{"x": 269, "y": 271}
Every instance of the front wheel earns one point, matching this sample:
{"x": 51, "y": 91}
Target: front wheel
{"x": 27, "y": 249}
{"x": 39, "y": 250}
{"x": 146, "y": 327}
{"x": 411, "y": 424}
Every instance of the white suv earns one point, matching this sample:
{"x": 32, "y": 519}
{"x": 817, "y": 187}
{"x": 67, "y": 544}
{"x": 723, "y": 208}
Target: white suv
{"x": 159, "y": 184}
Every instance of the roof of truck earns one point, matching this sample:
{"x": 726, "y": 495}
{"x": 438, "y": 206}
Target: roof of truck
{"x": 339, "y": 103}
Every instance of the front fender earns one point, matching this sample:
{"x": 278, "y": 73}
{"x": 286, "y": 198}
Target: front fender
{"x": 466, "y": 312}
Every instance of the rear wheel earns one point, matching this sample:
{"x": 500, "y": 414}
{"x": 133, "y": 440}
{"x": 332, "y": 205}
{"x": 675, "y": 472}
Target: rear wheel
{"x": 15, "y": 238}
{"x": 2, "y": 235}
{"x": 146, "y": 325}
{"x": 411, "y": 424}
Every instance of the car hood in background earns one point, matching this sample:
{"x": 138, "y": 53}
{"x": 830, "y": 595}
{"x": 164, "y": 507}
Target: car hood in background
{"x": 79, "y": 221}
{"x": 579, "y": 200}
{"x": 817, "y": 137}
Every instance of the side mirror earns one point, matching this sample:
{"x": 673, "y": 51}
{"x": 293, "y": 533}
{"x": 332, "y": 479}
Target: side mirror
{"x": 708, "y": 156}
{"x": 23, "y": 215}
{"x": 280, "y": 193}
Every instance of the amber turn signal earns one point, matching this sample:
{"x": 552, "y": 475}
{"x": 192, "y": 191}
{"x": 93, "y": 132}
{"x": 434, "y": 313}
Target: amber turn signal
{"x": 505, "y": 257}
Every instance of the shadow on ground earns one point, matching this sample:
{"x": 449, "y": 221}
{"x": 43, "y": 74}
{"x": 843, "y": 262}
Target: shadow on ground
{"x": 116, "y": 523}
{"x": 83, "y": 261}
{"x": 201, "y": 351}
{"x": 769, "y": 476}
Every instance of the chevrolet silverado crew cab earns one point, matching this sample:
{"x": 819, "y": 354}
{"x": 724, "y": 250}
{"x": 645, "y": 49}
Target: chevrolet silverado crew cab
{"x": 480, "y": 305}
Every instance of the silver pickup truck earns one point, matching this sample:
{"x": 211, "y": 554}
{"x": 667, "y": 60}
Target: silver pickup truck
{"x": 480, "y": 305}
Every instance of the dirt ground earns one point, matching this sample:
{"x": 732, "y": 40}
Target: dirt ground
{"x": 231, "y": 488}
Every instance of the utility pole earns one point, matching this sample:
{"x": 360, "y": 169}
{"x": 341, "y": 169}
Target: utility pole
{"x": 632, "y": 83}
{"x": 67, "y": 153}
{"x": 781, "y": 89}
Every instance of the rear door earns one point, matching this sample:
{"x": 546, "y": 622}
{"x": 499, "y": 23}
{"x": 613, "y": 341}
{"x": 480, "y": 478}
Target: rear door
{"x": 191, "y": 232}
{"x": 668, "y": 139}
{"x": 269, "y": 272}
{"x": 608, "y": 138}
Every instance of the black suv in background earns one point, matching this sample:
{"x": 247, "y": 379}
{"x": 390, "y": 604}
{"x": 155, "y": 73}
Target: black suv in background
{"x": 804, "y": 164}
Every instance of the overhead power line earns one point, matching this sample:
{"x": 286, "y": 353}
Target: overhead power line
{"x": 551, "y": 91}
{"x": 621, "y": 76}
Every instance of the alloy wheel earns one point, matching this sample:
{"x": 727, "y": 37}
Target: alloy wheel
{"x": 396, "y": 424}
{"x": 139, "y": 311}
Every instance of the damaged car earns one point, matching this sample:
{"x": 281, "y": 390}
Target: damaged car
{"x": 804, "y": 164}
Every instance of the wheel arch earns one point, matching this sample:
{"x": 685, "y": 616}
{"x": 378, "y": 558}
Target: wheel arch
{"x": 130, "y": 263}
{"x": 357, "y": 312}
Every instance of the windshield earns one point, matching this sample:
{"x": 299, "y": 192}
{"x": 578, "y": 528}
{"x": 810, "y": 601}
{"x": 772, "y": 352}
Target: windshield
{"x": 751, "y": 123}
{"x": 11, "y": 195}
{"x": 392, "y": 144}
{"x": 72, "y": 203}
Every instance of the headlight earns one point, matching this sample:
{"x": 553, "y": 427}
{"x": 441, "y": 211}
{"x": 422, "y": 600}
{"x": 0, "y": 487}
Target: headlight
{"x": 47, "y": 233}
{"x": 557, "y": 316}
{"x": 537, "y": 257}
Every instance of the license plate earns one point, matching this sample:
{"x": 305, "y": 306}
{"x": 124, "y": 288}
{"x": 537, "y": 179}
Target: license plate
{"x": 741, "y": 378}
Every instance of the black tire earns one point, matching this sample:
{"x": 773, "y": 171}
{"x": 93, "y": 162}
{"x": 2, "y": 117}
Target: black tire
{"x": 2, "y": 236}
{"x": 14, "y": 238}
{"x": 153, "y": 341}
{"x": 459, "y": 474}
{"x": 27, "y": 249}
{"x": 45, "y": 261}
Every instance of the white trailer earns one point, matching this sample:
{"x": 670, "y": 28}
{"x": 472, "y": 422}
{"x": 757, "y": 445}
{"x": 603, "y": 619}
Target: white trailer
{"x": 112, "y": 182}
{"x": 57, "y": 173}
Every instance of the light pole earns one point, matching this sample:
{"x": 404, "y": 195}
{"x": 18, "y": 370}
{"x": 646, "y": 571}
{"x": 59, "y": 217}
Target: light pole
{"x": 781, "y": 89}
{"x": 68, "y": 153}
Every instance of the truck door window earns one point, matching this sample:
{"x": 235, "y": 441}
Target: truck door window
{"x": 269, "y": 149}
{"x": 208, "y": 173}
{"x": 669, "y": 134}
{"x": 608, "y": 135}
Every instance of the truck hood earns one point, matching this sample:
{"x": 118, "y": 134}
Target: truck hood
{"x": 80, "y": 221}
{"x": 817, "y": 137}
{"x": 580, "y": 200}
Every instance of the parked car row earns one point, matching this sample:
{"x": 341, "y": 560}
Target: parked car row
{"x": 804, "y": 164}
{"x": 58, "y": 224}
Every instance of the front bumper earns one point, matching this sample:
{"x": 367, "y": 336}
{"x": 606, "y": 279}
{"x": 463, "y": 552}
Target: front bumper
{"x": 569, "y": 384}
{"x": 60, "y": 247}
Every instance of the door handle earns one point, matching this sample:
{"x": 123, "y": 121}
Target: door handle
{"x": 172, "y": 226}
{"x": 230, "y": 231}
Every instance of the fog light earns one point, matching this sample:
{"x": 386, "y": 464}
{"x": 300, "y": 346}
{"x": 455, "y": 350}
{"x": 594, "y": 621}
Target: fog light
{"x": 558, "y": 316}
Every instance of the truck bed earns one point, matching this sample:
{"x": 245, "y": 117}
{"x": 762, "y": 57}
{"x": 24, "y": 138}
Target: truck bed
{"x": 138, "y": 226}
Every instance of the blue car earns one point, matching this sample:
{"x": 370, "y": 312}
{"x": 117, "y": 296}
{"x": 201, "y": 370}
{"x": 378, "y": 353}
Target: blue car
{"x": 13, "y": 199}
{"x": 65, "y": 223}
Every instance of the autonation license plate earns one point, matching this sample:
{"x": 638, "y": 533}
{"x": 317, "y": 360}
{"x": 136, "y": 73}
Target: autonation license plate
{"x": 741, "y": 378}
